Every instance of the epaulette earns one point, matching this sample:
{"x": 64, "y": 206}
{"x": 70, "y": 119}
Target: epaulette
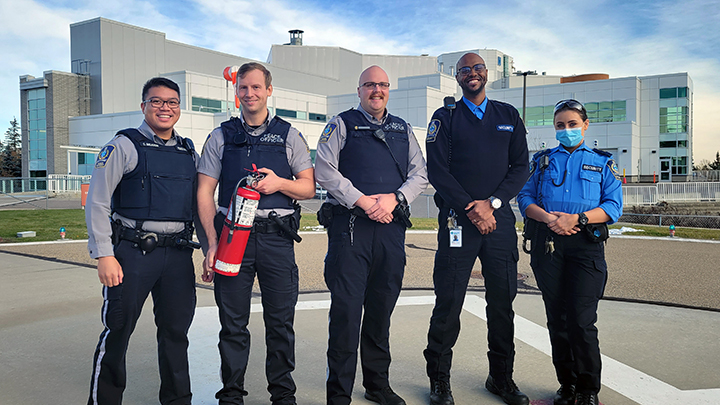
{"x": 602, "y": 152}
{"x": 541, "y": 153}
{"x": 188, "y": 143}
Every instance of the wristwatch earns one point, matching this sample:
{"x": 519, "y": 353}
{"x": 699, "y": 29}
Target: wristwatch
{"x": 400, "y": 197}
{"x": 495, "y": 202}
{"x": 582, "y": 219}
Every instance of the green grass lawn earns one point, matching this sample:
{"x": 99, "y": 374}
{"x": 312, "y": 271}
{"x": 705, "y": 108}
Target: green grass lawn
{"x": 47, "y": 223}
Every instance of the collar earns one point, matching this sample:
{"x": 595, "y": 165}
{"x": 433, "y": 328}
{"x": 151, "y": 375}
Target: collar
{"x": 371, "y": 118}
{"x": 147, "y": 132}
{"x": 583, "y": 146}
{"x": 258, "y": 130}
{"x": 474, "y": 107}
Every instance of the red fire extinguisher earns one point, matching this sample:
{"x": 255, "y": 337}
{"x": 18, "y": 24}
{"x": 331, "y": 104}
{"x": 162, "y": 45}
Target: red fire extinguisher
{"x": 237, "y": 225}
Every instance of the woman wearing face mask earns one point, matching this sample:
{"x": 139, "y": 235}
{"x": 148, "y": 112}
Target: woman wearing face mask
{"x": 572, "y": 194}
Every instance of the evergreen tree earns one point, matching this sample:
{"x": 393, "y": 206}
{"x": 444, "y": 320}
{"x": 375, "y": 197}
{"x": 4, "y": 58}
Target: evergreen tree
{"x": 716, "y": 164}
{"x": 11, "y": 162}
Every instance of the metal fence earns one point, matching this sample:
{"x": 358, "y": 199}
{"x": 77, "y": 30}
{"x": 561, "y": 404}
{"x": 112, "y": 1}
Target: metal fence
{"x": 688, "y": 221}
{"x": 705, "y": 175}
{"x": 671, "y": 192}
{"x": 54, "y": 183}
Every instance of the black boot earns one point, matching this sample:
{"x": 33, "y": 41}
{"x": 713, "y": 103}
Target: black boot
{"x": 440, "y": 393}
{"x": 587, "y": 398}
{"x": 565, "y": 395}
{"x": 506, "y": 389}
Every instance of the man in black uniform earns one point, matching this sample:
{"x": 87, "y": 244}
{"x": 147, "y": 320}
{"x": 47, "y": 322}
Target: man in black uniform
{"x": 477, "y": 162}
{"x": 282, "y": 155}
{"x": 145, "y": 178}
{"x": 372, "y": 166}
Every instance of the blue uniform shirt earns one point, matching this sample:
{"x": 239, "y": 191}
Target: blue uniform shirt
{"x": 585, "y": 179}
{"x": 478, "y": 110}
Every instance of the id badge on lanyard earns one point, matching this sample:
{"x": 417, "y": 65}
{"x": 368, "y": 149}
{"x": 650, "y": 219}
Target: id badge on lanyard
{"x": 455, "y": 230}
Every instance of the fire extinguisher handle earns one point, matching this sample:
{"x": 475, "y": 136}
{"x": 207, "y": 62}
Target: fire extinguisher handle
{"x": 284, "y": 226}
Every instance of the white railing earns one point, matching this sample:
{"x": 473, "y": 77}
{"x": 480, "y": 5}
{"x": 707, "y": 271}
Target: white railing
{"x": 671, "y": 192}
{"x": 64, "y": 183}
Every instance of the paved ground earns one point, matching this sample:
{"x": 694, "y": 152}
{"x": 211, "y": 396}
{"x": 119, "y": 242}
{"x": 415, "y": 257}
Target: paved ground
{"x": 662, "y": 270}
{"x": 49, "y": 323}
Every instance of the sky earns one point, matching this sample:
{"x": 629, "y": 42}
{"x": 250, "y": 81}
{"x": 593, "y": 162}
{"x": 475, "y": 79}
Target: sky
{"x": 621, "y": 38}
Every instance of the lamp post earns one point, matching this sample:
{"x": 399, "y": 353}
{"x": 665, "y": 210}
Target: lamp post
{"x": 524, "y": 75}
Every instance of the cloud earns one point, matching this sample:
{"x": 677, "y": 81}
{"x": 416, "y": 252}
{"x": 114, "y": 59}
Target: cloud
{"x": 619, "y": 37}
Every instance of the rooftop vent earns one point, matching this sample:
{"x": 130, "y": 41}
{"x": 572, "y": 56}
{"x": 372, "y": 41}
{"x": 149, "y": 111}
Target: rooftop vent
{"x": 296, "y": 37}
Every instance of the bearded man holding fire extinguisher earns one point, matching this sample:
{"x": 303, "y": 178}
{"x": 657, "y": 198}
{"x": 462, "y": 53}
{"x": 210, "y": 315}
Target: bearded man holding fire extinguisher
{"x": 283, "y": 163}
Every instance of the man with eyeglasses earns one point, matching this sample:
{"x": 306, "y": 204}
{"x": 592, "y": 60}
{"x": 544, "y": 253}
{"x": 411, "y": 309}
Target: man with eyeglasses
{"x": 139, "y": 215}
{"x": 372, "y": 167}
{"x": 477, "y": 161}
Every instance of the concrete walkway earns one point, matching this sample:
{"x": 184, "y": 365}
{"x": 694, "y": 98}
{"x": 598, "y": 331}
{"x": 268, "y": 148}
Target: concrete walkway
{"x": 49, "y": 325}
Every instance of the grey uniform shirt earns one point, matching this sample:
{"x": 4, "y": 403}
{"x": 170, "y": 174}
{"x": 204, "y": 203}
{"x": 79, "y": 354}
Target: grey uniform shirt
{"x": 105, "y": 178}
{"x": 343, "y": 192}
{"x": 296, "y": 148}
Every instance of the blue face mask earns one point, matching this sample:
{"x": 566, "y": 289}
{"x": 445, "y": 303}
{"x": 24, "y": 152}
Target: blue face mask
{"x": 569, "y": 137}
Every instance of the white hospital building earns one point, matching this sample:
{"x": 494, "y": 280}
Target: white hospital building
{"x": 645, "y": 122}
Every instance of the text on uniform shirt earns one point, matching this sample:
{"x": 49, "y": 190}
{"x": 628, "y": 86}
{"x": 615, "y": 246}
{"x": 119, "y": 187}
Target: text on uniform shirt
{"x": 506, "y": 128}
{"x": 103, "y": 156}
{"x": 272, "y": 138}
{"x": 592, "y": 168}
{"x": 327, "y": 133}
{"x": 154, "y": 145}
{"x": 433, "y": 129}
{"x": 394, "y": 126}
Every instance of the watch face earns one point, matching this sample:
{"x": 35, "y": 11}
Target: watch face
{"x": 496, "y": 203}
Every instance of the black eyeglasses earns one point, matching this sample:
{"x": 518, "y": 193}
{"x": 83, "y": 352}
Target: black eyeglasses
{"x": 158, "y": 103}
{"x": 465, "y": 70}
{"x": 372, "y": 85}
{"x": 569, "y": 103}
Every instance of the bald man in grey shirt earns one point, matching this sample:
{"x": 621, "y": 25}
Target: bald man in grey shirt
{"x": 372, "y": 166}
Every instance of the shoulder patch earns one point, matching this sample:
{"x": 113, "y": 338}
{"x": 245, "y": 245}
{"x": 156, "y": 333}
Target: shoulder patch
{"x": 614, "y": 169}
{"x": 307, "y": 147}
{"x": 505, "y": 128}
{"x": 433, "y": 130}
{"x": 103, "y": 156}
{"x": 327, "y": 132}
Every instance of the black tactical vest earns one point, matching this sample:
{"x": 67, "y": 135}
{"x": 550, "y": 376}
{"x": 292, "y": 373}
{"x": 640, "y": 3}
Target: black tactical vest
{"x": 162, "y": 185}
{"x": 266, "y": 150}
{"x": 365, "y": 159}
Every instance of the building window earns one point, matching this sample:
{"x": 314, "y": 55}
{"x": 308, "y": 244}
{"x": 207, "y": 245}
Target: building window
{"x": 674, "y": 92}
{"x": 604, "y": 111}
{"x": 318, "y": 117}
{"x": 37, "y": 133}
{"x": 286, "y": 113}
{"x": 210, "y": 105}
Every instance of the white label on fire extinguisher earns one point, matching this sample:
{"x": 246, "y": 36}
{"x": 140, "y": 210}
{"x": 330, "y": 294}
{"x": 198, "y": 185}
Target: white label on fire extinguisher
{"x": 244, "y": 210}
{"x": 227, "y": 267}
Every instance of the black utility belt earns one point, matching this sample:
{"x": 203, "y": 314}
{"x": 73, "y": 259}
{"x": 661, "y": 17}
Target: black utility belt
{"x": 163, "y": 239}
{"x": 260, "y": 225}
{"x": 263, "y": 225}
{"x": 359, "y": 212}
{"x": 594, "y": 233}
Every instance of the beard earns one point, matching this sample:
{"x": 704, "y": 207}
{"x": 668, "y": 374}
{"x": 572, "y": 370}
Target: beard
{"x": 473, "y": 92}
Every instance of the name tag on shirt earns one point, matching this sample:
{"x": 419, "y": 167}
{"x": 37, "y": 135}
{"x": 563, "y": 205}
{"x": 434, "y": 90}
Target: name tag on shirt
{"x": 592, "y": 168}
{"x": 506, "y": 128}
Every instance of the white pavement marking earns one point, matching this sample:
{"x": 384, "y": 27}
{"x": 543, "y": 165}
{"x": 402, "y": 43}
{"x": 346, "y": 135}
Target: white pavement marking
{"x": 633, "y": 384}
